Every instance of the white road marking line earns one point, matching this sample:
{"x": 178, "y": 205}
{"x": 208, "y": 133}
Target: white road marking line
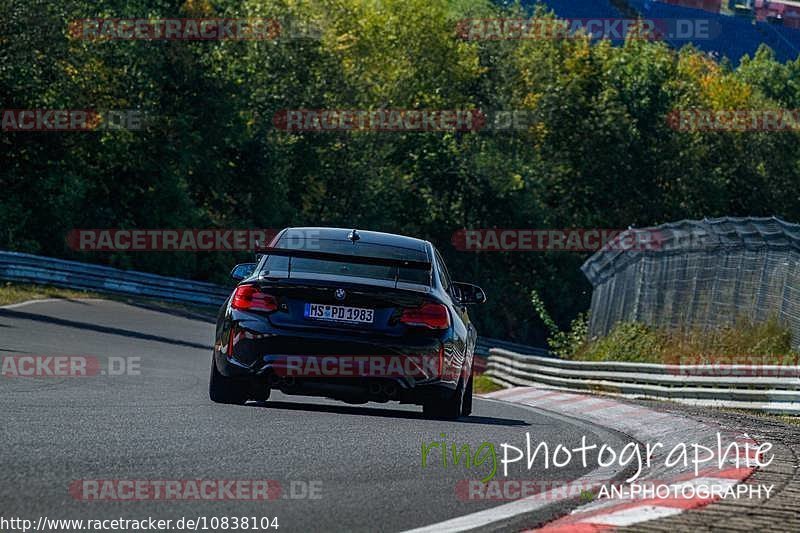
{"x": 503, "y": 512}
{"x": 29, "y": 302}
{"x": 619, "y": 518}
{"x": 519, "y": 507}
{"x": 51, "y": 300}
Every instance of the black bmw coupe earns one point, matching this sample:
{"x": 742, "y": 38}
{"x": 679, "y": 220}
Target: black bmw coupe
{"x": 352, "y": 315}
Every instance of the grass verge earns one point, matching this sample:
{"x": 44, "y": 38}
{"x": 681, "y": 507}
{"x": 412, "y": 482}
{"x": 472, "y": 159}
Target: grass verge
{"x": 12, "y": 293}
{"x": 482, "y": 384}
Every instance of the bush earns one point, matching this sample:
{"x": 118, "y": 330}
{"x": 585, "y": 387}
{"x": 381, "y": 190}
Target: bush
{"x": 745, "y": 341}
{"x": 566, "y": 343}
{"x": 628, "y": 341}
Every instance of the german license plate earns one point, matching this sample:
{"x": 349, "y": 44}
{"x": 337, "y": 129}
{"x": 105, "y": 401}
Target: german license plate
{"x": 339, "y": 313}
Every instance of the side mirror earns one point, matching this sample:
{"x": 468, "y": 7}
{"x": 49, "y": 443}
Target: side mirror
{"x": 243, "y": 270}
{"x": 467, "y": 293}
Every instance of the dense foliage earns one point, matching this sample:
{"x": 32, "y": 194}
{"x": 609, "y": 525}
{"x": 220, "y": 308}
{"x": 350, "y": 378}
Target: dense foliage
{"x": 600, "y": 152}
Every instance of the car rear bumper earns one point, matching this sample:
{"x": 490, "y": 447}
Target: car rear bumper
{"x": 411, "y": 369}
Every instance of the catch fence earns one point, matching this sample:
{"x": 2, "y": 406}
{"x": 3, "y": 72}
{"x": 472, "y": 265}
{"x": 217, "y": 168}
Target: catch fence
{"x": 701, "y": 274}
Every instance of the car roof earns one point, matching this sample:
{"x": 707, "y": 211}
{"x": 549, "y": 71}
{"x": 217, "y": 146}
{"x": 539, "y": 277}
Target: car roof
{"x": 366, "y": 237}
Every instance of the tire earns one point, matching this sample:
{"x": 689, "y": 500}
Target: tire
{"x": 227, "y": 390}
{"x": 448, "y": 408}
{"x": 260, "y": 391}
{"x": 466, "y": 403}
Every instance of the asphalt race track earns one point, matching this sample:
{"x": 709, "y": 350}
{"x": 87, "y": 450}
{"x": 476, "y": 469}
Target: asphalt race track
{"x": 160, "y": 425}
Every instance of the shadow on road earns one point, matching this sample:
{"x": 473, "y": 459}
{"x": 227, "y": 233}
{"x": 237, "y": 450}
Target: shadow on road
{"x": 99, "y": 329}
{"x": 198, "y": 312}
{"x": 202, "y": 316}
{"x": 382, "y": 412}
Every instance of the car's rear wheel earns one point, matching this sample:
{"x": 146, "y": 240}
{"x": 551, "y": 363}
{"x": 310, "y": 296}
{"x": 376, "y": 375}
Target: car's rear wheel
{"x": 448, "y": 408}
{"x": 260, "y": 391}
{"x": 222, "y": 389}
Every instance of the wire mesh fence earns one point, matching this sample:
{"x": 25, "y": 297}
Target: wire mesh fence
{"x": 701, "y": 274}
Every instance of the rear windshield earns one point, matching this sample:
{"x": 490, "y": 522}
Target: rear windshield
{"x": 337, "y": 268}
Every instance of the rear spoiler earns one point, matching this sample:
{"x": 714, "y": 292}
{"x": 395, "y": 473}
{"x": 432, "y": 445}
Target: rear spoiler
{"x": 345, "y": 258}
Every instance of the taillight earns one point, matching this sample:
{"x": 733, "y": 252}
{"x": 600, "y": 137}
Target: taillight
{"x": 250, "y": 298}
{"x": 433, "y": 316}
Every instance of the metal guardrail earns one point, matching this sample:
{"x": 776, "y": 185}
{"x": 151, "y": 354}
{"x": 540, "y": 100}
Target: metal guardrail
{"x": 768, "y": 388}
{"x": 485, "y": 344}
{"x": 27, "y": 268}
